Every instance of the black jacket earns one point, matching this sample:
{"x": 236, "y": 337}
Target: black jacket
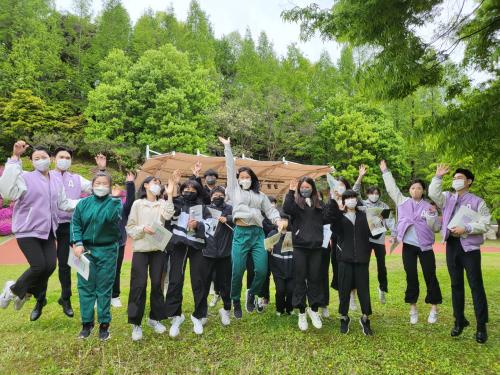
{"x": 281, "y": 264}
{"x": 219, "y": 245}
{"x": 206, "y": 190}
{"x": 307, "y": 223}
{"x": 127, "y": 206}
{"x": 181, "y": 235}
{"x": 353, "y": 241}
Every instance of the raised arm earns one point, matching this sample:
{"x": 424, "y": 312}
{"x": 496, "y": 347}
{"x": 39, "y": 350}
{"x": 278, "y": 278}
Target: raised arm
{"x": 357, "y": 185}
{"x": 232, "y": 183}
{"x": 12, "y": 184}
{"x": 289, "y": 205}
{"x": 390, "y": 185}
{"x": 436, "y": 186}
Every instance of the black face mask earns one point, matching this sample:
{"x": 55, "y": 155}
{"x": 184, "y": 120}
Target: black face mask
{"x": 190, "y": 196}
{"x": 218, "y": 201}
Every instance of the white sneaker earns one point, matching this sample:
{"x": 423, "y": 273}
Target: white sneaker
{"x": 381, "y": 296}
{"x": 303, "y": 322}
{"x": 136, "y": 333}
{"x": 7, "y": 295}
{"x": 225, "y": 317}
{"x": 19, "y": 303}
{"x": 214, "y": 300}
{"x": 116, "y": 302}
{"x": 352, "y": 302}
{"x": 157, "y": 326}
{"x": 204, "y": 321}
{"x": 325, "y": 313}
{"x": 315, "y": 319}
{"x": 413, "y": 316}
{"x": 197, "y": 325}
{"x": 433, "y": 316}
{"x": 176, "y": 324}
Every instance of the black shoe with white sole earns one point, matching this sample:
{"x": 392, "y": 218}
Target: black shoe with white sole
{"x": 86, "y": 330}
{"x": 250, "y": 302}
{"x": 344, "y": 325}
{"x": 104, "y": 332}
{"x": 238, "y": 314}
{"x": 365, "y": 326}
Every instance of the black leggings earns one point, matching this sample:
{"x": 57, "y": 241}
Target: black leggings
{"x": 308, "y": 278}
{"x": 379, "y": 250}
{"x": 119, "y": 262}
{"x": 41, "y": 256}
{"x": 411, "y": 254}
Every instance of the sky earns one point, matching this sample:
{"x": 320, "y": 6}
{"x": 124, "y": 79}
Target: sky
{"x": 227, "y": 16}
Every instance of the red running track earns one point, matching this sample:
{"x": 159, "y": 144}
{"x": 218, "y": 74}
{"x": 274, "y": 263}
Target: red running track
{"x": 11, "y": 254}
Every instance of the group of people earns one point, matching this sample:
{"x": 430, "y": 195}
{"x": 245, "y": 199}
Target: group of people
{"x": 222, "y": 231}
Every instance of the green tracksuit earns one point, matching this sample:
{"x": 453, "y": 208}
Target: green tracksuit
{"x": 95, "y": 225}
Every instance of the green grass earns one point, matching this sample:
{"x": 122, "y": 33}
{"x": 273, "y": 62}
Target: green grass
{"x": 259, "y": 343}
{"x": 5, "y": 238}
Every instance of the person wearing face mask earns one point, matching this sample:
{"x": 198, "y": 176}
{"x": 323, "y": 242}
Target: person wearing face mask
{"x": 248, "y": 239}
{"x": 74, "y": 185}
{"x": 218, "y": 253}
{"x": 353, "y": 252}
{"x": 415, "y": 229}
{"x": 210, "y": 177}
{"x": 308, "y": 216}
{"x": 187, "y": 242}
{"x": 95, "y": 232}
{"x": 38, "y": 198}
{"x": 378, "y": 242}
{"x": 463, "y": 246}
{"x": 147, "y": 211}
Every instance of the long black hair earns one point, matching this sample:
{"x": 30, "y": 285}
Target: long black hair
{"x": 255, "y": 186}
{"x": 142, "y": 190}
{"x": 300, "y": 200}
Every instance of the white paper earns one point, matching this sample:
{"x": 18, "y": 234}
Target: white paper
{"x": 216, "y": 214}
{"x": 269, "y": 242}
{"x": 287, "y": 243}
{"x": 210, "y": 226}
{"x": 183, "y": 219}
{"x": 196, "y": 213}
{"x": 464, "y": 216}
{"x": 375, "y": 221}
{"x": 80, "y": 265}
{"x": 160, "y": 238}
{"x": 327, "y": 234}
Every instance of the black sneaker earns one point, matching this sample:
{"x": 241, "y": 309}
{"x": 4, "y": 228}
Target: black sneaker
{"x": 66, "y": 306}
{"x": 344, "y": 325}
{"x": 250, "y": 302}
{"x": 86, "y": 330}
{"x": 481, "y": 335}
{"x": 238, "y": 314}
{"x": 37, "y": 311}
{"x": 104, "y": 332}
{"x": 458, "y": 328}
{"x": 365, "y": 326}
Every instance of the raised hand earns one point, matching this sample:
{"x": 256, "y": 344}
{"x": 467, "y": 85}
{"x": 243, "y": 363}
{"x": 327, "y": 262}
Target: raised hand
{"x": 101, "y": 161}
{"x": 196, "y": 169}
{"x": 19, "y": 148}
{"x": 225, "y": 141}
{"x": 383, "y": 165}
{"x": 130, "y": 177}
{"x": 362, "y": 170}
{"x": 176, "y": 176}
{"x": 293, "y": 184}
{"x": 442, "y": 169}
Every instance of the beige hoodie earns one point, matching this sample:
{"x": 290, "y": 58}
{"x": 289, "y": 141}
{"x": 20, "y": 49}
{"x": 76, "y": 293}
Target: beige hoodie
{"x": 145, "y": 212}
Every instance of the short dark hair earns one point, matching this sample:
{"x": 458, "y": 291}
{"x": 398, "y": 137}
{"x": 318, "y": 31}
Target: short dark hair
{"x": 63, "y": 148}
{"x": 211, "y": 172}
{"x": 217, "y": 189}
{"x": 373, "y": 189}
{"x": 40, "y": 148}
{"x": 194, "y": 184}
{"x": 417, "y": 181}
{"x": 103, "y": 174}
{"x": 255, "y": 186}
{"x": 348, "y": 194}
{"x": 467, "y": 173}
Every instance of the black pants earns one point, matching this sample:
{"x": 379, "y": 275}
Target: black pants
{"x": 335, "y": 265}
{"x": 284, "y": 294}
{"x": 411, "y": 254}
{"x": 379, "y": 250}
{"x": 119, "y": 262}
{"x": 142, "y": 262}
{"x": 41, "y": 256}
{"x": 176, "y": 270}
{"x": 325, "y": 265}
{"x": 264, "y": 293}
{"x": 458, "y": 260}
{"x": 63, "y": 248}
{"x": 222, "y": 269}
{"x": 308, "y": 278}
{"x": 354, "y": 276}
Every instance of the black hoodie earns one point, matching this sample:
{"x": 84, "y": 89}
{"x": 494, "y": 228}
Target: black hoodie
{"x": 219, "y": 245}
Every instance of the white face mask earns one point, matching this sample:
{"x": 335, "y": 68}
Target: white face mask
{"x": 101, "y": 191}
{"x": 340, "y": 189}
{"x": 351, "y": 202}
{"x": 63, "y": 164}
{"x": 373, "y": 197}
{"x": 41, "y": 165}
{"x": 458, "y": 184}
{"x": 245, "y": 183}
{"x": 155, "y": 189}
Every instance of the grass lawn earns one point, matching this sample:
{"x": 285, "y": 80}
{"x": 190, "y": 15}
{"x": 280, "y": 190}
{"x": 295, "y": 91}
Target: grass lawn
{"x": 261, "y": 343}
{"x": 5, "y": 238}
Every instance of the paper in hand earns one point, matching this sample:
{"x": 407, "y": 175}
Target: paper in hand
{"x": 196, "y": 213}
{"x": 269, "y": 242}
{"x": 287, "y": 243}
{"x": 80, "y": 265}
{"x": 161, "y": 237}
{"x": 464, "y": 216}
